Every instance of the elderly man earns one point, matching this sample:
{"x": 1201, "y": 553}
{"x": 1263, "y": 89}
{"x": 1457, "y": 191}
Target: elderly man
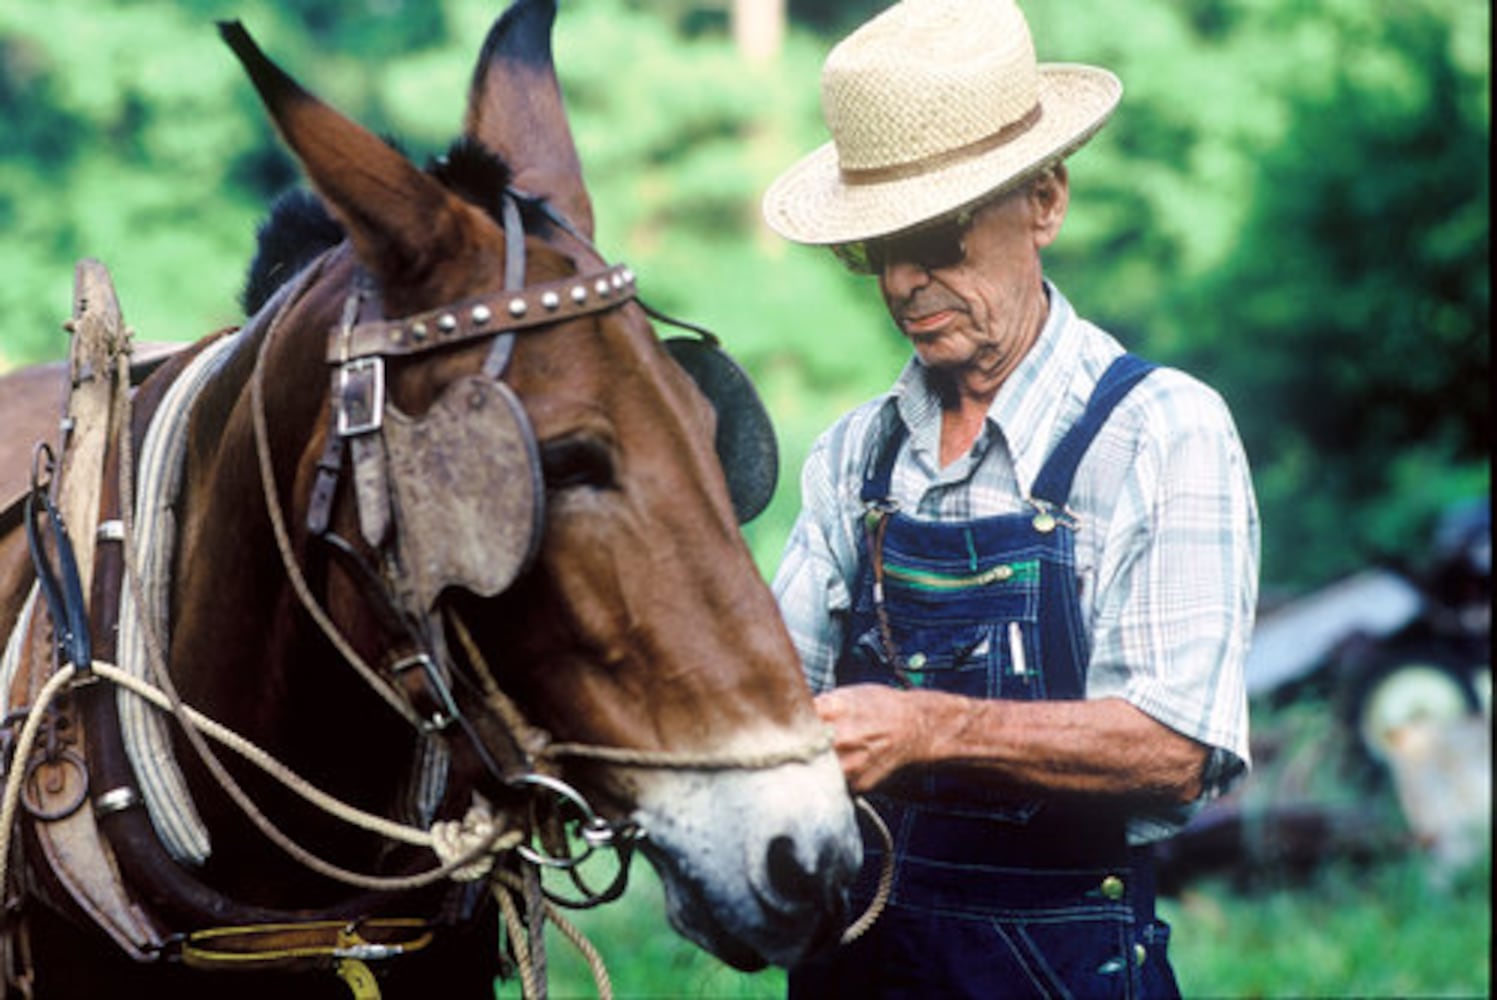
{"x": 1023, "y": 580}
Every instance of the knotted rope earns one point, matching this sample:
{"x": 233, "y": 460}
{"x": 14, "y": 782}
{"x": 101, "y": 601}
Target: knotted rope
{"x": 465, "y": 848}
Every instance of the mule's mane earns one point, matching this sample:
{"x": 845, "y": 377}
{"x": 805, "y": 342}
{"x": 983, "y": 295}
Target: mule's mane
{"x": 472, "y": 172}
{"x": 299, "y": 226}
{"x": 297, "y": 229}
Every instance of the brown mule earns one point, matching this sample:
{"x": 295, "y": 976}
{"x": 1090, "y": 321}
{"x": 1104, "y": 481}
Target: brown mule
{"x": 456, "y": 440}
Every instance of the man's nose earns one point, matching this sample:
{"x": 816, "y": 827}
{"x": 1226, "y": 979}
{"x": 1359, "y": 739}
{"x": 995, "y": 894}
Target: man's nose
{"x": 900, "y": 278}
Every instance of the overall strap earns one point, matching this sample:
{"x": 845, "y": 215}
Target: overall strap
{"x": 1053, "y": 484}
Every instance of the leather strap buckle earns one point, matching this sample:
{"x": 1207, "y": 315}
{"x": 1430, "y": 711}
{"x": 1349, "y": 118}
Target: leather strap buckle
{"x": 430, "y": 688}
{"x": 361, "y": 396}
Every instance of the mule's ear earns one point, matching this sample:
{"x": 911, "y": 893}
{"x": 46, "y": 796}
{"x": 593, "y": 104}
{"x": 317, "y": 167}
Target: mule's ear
{"x": 515, "y": 110}
{"x": 398, "y": 218}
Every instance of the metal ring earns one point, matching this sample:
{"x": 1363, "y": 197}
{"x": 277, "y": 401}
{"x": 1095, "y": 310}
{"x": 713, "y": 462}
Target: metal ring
{"x": 28, "y": 795}
{"x": 39, "y": 462}
{"x": 592, "y": 824}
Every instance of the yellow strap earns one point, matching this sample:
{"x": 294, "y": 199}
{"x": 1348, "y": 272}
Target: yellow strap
{"x": 243, "y": 946}
{"x": 359, "y": 979}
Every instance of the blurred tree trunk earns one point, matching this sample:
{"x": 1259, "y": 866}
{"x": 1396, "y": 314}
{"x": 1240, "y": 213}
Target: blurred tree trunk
{"x": 758, "y": 28}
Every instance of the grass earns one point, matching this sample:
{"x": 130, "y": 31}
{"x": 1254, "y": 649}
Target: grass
{"x": 1382, "y": 931}
{"x": 644, "y": 957}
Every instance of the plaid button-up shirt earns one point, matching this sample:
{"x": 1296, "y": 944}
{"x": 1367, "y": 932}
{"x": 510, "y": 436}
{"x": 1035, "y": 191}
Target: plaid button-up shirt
{"x": 1166, "y": 544}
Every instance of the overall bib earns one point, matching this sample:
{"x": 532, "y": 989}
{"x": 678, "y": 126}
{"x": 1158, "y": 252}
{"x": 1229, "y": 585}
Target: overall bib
{"x": 996, "y": 893}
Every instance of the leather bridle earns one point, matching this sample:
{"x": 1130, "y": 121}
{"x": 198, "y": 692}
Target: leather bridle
{"x": 418, "y": 680}
{"x": 357, "y": 351}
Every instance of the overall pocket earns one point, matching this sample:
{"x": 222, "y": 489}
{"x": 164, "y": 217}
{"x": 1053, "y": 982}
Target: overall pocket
{"x": 984, "y": 660}
{"x": 1077, "y": 955}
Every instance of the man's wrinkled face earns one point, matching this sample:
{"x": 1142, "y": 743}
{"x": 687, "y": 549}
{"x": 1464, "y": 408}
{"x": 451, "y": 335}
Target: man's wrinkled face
{"x": 968, "y": 292}
{"x": 962, "y": 313}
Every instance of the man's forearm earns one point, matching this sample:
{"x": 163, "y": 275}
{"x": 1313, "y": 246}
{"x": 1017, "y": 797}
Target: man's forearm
{"x": 1089, "y": 747}
{"x": 1102, "y": 747}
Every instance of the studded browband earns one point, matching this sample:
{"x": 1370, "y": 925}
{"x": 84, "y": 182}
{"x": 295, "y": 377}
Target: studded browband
{"x": 485, "y": 316}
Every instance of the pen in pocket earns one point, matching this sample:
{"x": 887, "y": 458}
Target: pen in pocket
{"x": 1016, "y": 649}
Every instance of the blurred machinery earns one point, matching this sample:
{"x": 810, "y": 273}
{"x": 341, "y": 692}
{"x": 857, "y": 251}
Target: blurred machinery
{"x": 1400, "y": 660}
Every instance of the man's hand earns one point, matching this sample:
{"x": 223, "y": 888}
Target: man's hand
{"x": 878, "y": 731}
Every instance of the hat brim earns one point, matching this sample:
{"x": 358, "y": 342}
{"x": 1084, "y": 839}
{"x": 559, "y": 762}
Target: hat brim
{"x": 811, "y": 203}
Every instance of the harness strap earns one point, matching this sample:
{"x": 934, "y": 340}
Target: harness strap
{"x": 514, "y": 280}
{"x": 325, "y": 485}
{"x": 514, "y": 243}
{"x": 71, "y": 854}
{"x": 296, "y": 945}
{"x": 61, "y": 587}
{"x": 487, "y": 315}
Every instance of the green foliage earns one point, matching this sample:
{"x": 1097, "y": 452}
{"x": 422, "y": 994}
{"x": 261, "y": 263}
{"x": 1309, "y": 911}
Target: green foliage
{"x": 1358, "y": 325}
{"x": 124, "y": 161}
{"x": 1292, "y": 202}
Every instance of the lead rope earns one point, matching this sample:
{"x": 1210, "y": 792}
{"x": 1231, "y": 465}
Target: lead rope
{"x": 506, "y": 886}
{"x": 870, "y": 916}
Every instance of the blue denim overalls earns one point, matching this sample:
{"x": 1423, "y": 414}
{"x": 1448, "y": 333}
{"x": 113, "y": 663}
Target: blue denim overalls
{"x": 995, "y": 893}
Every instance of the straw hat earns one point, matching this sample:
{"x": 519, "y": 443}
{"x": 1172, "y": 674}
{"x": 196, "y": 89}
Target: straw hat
{"x": 932, "y": 105}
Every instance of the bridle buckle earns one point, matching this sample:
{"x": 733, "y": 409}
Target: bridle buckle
{"x": 361, "y": 396}
{"x": 446, "y": 711}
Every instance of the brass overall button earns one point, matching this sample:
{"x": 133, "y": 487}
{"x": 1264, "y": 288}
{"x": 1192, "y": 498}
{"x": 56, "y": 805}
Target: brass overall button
{"x": 1112, "y": 888}
{"x": 1140, "y": 954}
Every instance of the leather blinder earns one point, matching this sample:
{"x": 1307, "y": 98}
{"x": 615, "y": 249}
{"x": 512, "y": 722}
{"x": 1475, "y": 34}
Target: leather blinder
{"x": 468, "y": 498}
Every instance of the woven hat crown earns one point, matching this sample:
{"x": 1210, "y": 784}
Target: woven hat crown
{"x": 928, "y": 78}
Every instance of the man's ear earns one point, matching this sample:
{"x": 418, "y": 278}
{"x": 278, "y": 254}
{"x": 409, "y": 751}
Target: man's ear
{"x": 1050, "y": 195}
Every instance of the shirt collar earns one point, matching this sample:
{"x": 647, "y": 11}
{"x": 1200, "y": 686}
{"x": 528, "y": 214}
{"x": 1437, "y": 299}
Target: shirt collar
{"x": 1031, "y": 399}
{"x": 1024, "y": 411}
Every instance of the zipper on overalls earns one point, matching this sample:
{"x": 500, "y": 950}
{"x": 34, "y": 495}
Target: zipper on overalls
{"x": 934, "y": 581}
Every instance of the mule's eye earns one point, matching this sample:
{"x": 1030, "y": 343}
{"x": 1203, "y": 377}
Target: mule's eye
{"x": 580, "y": 461}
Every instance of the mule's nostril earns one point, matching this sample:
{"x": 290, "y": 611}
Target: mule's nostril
{"x": 790, "y": 879}
{"x": 823, "y": 885}
{"x": 820, "y": 890}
